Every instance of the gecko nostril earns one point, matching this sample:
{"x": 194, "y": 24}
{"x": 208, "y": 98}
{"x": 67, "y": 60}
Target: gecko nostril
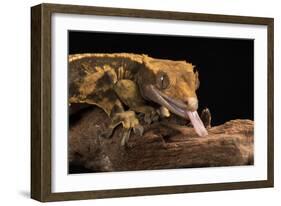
{"x": 185, "y": 102}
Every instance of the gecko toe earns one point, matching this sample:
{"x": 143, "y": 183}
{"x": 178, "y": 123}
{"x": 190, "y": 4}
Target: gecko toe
{"x": 125, "y": 136}
{"x": 105, "y": 134}
{"x": 138, "y": 130}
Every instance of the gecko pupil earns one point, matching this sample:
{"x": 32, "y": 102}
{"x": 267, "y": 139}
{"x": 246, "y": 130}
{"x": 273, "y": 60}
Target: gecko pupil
{"x": 162, "y": 80}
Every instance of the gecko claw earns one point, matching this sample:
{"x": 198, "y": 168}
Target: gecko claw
{"x": 138, "y": 130}
{"x": 105, "y": 134}
{"x": 125, "y": 136}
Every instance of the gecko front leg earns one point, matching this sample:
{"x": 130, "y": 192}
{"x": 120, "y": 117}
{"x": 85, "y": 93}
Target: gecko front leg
{"x": 128, "y": 92}
{"x": 129, "y": 121}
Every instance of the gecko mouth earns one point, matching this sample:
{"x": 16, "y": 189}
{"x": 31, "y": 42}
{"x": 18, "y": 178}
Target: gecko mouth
{"x": 177, "y": 108}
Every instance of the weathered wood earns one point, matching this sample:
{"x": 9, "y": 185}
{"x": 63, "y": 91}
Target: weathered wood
{"x": 161, "y": 147}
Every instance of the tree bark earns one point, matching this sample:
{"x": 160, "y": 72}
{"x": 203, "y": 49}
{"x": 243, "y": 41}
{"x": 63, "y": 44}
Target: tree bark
{"x": 164, "y": 145}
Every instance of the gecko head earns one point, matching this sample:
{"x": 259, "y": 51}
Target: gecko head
{"x": 172, "y": 84}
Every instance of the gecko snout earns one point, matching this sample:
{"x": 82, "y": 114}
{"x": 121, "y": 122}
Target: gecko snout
{"x": 192, "y": 103}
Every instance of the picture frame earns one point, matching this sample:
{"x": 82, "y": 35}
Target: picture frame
{"x": 42, "y": 88}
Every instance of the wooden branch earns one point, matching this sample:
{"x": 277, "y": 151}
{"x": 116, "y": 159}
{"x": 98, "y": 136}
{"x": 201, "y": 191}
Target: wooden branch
{"x": 162, "y": 146}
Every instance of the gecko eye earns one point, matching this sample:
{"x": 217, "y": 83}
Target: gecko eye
{"x": 162, "y": 80}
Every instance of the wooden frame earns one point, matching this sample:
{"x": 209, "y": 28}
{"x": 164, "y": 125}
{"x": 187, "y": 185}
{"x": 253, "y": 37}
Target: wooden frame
{"x": 41, "y": 102}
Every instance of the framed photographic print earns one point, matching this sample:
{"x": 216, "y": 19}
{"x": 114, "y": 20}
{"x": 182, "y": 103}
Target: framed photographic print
{"x": 132, "y": 102}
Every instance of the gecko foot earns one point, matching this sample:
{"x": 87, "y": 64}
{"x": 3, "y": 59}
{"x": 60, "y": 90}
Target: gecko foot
{"x": 126, "y": 133}
{"x": 149, "y": 114}
{"x": 206, "y": 117}
{"x": 129, "y": 121}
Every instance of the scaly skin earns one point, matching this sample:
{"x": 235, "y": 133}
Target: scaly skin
{"x": 111, "y": 81}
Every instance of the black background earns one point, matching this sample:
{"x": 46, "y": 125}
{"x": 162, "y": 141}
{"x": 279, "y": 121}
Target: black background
{"x": 226, "y": 68}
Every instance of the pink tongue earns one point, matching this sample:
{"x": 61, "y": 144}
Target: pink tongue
{"x": 197, "y": 123}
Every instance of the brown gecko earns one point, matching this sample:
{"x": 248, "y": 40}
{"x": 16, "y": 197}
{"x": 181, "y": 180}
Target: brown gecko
{"x": 112, "y": 81}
